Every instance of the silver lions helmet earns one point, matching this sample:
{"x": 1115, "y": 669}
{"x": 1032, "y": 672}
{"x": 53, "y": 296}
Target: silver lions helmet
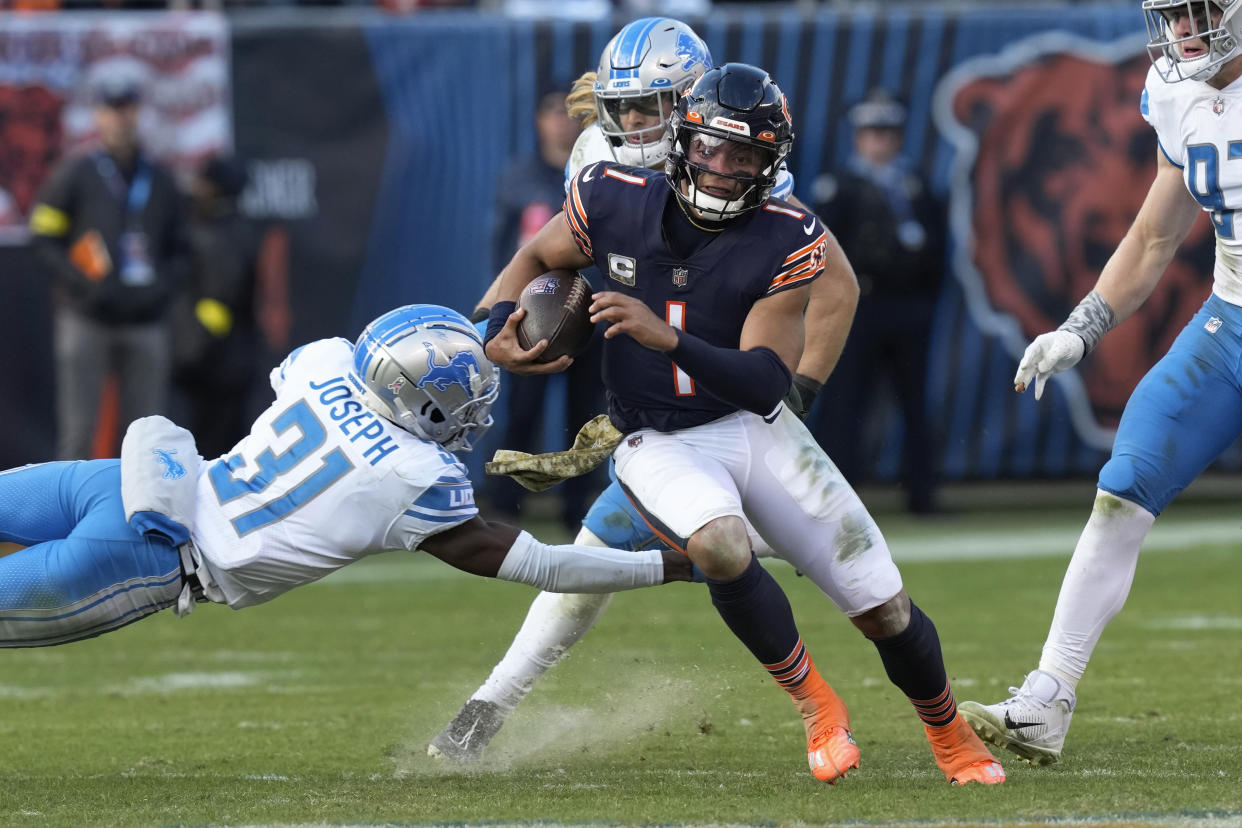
{"x": 1192, "y": 39}
{"x": 423, "y": 367}
{"x": 646, "y": 67}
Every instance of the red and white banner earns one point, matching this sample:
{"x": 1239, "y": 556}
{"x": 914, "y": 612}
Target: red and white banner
{"x": 49, "y": 63}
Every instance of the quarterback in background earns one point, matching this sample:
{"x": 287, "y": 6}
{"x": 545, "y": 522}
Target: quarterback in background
{"x": 1188, "y": 408}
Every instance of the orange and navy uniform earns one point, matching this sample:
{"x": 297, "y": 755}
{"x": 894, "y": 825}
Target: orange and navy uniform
{"x": 615, "y": 214}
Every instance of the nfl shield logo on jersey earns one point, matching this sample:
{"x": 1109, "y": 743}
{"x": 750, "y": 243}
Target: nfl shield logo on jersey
{"x": 1213, "y": 324}
{"x": 680, "y": 276}
{"x": 1218, "y": 105}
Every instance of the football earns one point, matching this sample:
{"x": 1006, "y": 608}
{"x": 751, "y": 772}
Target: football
{"x": 556, "y": 310}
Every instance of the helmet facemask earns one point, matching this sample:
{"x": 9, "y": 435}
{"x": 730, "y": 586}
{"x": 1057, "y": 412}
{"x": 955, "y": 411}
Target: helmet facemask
{"x": 1213, "y": 36}
{"x": 647, "y": 146}
{"x": 749, "y": 191}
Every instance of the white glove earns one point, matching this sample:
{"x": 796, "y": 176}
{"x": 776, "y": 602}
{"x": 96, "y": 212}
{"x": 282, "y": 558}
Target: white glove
{"x": 1049, "y": 354}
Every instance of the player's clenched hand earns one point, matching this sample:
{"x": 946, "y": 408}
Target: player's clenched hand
{"x": 505, "y": 351}
{"x": 628, "y": 315}
{"x": 1049, "y": 354}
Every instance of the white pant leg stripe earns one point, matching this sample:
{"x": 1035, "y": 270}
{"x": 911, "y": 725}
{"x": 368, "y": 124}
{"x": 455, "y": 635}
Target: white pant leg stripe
{"x": 114, "y": 607}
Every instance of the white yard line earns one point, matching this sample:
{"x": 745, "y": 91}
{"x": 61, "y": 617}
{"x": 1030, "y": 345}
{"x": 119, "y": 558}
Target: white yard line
{"x": 1024, "y": 542}
{"x": 935, "y": 542}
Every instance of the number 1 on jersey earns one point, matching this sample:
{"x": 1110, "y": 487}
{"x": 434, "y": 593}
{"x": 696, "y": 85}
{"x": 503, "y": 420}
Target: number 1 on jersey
{"x": 675, "y": 316}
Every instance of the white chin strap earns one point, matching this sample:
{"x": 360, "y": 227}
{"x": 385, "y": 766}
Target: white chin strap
{"x": 642, "y": 155}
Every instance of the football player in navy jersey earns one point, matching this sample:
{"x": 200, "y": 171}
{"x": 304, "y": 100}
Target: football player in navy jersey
{"x": 624, "y": 108}
{"x": 709, "y": 279}
{"x": 1188, "y": 408}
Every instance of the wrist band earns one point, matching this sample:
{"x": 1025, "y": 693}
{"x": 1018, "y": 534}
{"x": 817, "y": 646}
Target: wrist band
{"x": 1090, "y": 320}
{"x": 496, "y": 318}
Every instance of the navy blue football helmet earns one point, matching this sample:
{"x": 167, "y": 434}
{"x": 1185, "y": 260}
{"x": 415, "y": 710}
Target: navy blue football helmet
{"x": 734, "y": 102}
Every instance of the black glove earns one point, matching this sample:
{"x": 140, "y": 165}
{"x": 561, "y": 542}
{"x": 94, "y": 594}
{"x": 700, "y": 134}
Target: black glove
{"x": 802, "y": 395}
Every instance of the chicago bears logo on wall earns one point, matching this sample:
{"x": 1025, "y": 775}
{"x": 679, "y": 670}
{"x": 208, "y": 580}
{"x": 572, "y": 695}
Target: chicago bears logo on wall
{"x": 1053, "y": 160}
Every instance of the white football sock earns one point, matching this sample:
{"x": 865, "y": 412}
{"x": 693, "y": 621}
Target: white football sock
{"x": 1096, "y": 584}
{"x": 553, "y": 624}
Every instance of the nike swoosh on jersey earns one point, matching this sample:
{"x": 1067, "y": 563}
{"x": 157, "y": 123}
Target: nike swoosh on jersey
{"x": 588, "y": 173}
{"x": 808, "y": 228}
{"x": 775, "y": 414}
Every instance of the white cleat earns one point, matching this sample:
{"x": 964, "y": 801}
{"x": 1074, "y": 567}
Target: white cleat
{"x": 1031, "y": 723}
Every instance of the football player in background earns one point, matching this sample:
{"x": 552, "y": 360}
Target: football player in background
{"x": 351, "y": 459}
{"x": 624, "y": 108}
{"x": 1188, "y": 407}
{"x": 710, "y": 278}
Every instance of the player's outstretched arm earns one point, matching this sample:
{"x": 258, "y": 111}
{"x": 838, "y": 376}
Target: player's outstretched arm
{"x": 495, "y": 550}
{"x": 1128, "y": 278}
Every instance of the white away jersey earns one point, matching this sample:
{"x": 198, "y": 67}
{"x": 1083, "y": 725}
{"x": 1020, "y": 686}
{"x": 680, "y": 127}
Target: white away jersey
{"x": 320, "y": 481}
{"x": 592, "y": 146}
{"x": 1199, "y": 129}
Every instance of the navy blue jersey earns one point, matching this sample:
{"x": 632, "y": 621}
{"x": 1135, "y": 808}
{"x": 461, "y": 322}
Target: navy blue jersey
{"x": 615, "y": 214}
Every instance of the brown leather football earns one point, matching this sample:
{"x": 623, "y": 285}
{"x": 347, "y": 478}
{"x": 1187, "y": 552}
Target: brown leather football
{"x": 556, "y": 310}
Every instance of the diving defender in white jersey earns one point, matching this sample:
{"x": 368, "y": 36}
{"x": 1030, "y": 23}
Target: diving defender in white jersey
{"x": 624, "y": 107}
{"x": 1188, "y": 408}
{"x": 352, "y": 458}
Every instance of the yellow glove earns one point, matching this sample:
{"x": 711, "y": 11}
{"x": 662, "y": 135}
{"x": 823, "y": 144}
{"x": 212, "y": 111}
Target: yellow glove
{"x": 214, "y": 316}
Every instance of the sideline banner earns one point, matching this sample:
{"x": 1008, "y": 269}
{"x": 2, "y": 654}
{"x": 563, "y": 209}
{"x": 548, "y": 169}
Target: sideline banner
{"x": 47, "y": 66}
{"x": 1053, "y": 160}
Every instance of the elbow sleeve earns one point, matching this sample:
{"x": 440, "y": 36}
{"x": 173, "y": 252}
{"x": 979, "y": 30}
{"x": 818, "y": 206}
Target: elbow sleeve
{"x": 577, "y": 568}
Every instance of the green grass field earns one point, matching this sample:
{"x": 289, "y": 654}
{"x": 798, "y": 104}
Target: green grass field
{"x": 317, "y": 708}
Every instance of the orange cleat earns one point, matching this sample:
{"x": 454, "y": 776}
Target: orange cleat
{"x": 830, "y": 747}
{"x": 962, "y": 756}
{"x": 830, "y": 753}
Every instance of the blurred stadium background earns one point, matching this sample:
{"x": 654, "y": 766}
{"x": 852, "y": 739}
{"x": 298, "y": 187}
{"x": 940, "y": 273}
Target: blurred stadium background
{"x": 375, "y": 131}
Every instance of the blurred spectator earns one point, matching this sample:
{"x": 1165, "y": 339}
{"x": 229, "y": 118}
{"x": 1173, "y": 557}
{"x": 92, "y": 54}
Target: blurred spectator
{"x": 110, "y": 227}
{"x": 529, "y": 193}
{"x": 217, "y": 346}
{"x": 892, "y": 229}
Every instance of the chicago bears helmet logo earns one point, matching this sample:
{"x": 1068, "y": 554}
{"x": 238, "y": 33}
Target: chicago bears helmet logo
{"x": 1053, "y": 161}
